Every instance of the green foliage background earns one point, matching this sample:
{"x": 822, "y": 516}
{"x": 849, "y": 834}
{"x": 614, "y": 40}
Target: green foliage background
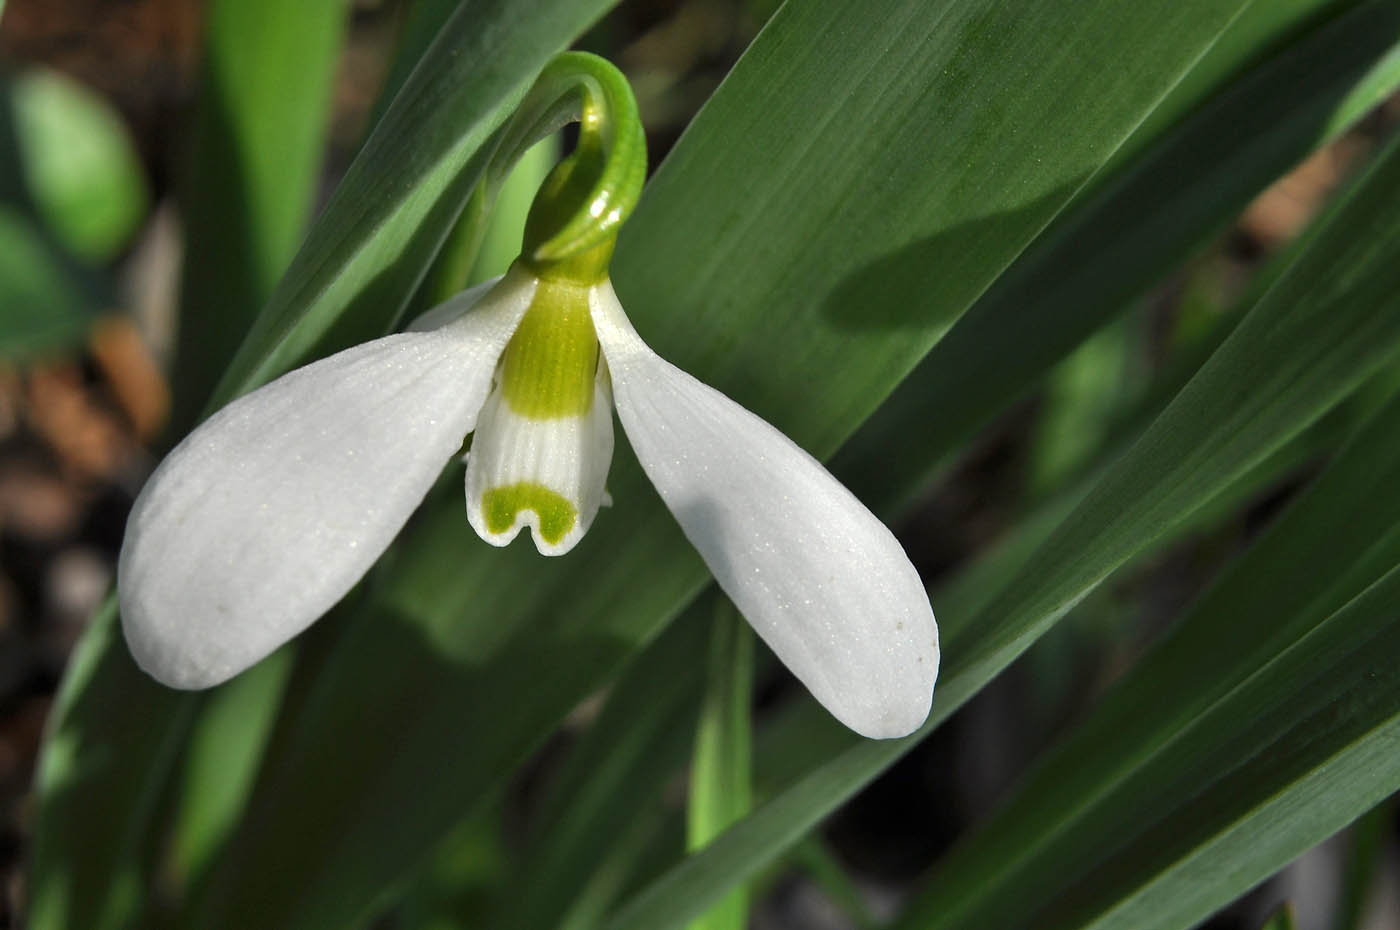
{"x": 891, "y": 223}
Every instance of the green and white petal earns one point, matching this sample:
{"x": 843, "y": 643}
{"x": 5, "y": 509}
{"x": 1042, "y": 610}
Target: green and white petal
{"x": 268, "y": 513}
{"x": 821, "y": 580}
{"x": 543, "y": 473}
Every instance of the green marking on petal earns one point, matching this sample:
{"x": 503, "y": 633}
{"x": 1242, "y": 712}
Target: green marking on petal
{"x": 548, "y": 367}
{"x": 556, "y": 513}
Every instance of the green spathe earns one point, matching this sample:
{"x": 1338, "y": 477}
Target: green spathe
{"x": 556, "y": 513}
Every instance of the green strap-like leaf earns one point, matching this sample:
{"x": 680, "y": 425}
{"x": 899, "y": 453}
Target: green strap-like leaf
{"x": 638, "y": 742}
{"x": 1326, "y": 324}
{"x": 221, "y": 762}
{"x": 1132, "y": 228}
{"x": 112, "y": 739}
{"x": 258, "y": 140}
{"x": 1332, "y": 543}
{"x": 1297, "y": 751}
{"x": 1328, "y": 321}
{"x": 721, "y": 790}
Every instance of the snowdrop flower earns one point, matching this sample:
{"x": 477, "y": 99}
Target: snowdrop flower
{"x": 269, "y": 512}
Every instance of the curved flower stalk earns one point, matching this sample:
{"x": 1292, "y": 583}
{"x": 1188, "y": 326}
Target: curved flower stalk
{"x": 268, "y": 513}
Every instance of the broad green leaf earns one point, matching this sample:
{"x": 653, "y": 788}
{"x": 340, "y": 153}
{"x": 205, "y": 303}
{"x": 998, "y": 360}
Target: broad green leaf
{"x": 1328, "y": 321}
{"x": 721, "y": 789}
{"x": 800, "y": 266}
{"x": 1260, "y": 30}
{"x": 422, "y": 21}
{"x": 1066, "y": 821}
{"x": 84, "y": 178}
{"x": 247, "y": 192}
{"x": 1133, "y": 227}
{"x": 44, "y": 304}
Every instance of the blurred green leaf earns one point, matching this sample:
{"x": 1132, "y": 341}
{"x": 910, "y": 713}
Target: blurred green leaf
{"x": 1282, "y": 919}
{"x": 111, "y": 740}
{"x": 83, "y": 175}
{"x": 1108, "y": 790}
{"x": 1327, "y": 322}
{"x": 637, "y": 744}
{"x": 1081, "y": 397}
{"x": 247, "y": 192}
{"x": 1136, "y": 223}
{"x": 463, "y": 875}
{"x": 721, "y": 790}
{"x": 221, "y": 761}
{"x": 633, "y": 849}
{"x": 817, "y": 861}
{"x": 43, "y": 302}
{"x": 732, "y": 261}
{"x": 1365, "y": 861}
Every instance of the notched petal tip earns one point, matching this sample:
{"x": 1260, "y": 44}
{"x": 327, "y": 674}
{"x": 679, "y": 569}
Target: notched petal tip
{"x": 553, "y": 520}
{"x": 546, "y": 474}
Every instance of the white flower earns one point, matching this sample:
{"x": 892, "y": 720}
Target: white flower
{"x": 269, "y": 512}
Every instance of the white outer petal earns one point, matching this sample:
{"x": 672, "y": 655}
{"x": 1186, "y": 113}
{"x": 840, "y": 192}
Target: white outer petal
{"x": 825, "y": 584}
{"x": 568, "y": 455}
{"x": 451, "y": 309}
{"x": 269, "y": 512}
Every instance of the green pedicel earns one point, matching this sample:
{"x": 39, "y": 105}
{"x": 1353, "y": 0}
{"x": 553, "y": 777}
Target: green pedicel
{"x": 501, "y": 505}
